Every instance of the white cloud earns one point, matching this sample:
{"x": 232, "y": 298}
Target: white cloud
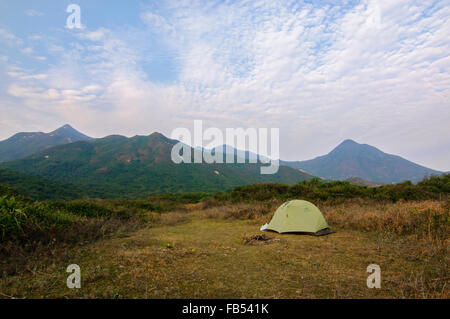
{"x": 21, "y": 75}
{"x": 10, "y": 38}
{"x": 33, "y": 13}
{"x": 35, "y": 37}
{"x": 96, "y": 35}
{"x": 28, "y": 50}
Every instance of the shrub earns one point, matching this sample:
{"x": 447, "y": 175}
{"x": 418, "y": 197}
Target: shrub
{"x": 25, "y": 221}
{"x": 315, "y": 189}
{"x": 81, "y": 208}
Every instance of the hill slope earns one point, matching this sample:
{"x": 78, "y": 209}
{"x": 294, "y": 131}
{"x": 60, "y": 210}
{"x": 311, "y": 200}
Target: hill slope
{"x": 117, "y": 166}
{"x": 351, "y": 159}
{"x": 38, "y": 187}
{"x": 23, "y": 144}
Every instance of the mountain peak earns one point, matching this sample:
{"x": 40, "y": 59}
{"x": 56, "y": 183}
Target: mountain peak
{"x": 351, "y": 159}
{"x": 157, "y": 134}
{"x": 158, "y": 137}
{"x": 69, "y": 132}
{"x": 349, "y": 141}
{"x": 348, "y": 145}
{"x": 65, "y": 128}
{"x": 24, "y": 144}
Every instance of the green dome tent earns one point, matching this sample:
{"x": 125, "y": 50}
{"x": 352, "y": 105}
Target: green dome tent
{"x": 299, "y": 216}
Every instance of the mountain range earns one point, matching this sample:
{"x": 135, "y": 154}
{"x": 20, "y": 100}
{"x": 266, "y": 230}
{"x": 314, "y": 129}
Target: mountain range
{"x": 351, "y": 159}
{"x": 26, "y": 143}
{"x": 117, "y": 166}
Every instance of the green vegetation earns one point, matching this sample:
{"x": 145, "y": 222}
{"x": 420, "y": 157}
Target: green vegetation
{"x": 22, "y": 218}
{"x": 30, "y": 230}
{"x": 315, "y": 189}
{"x": 23, "y": 221}
{"x": 131, "y": 168}
{"x": 40, "y": 188}
{"x": 403, "y": 226}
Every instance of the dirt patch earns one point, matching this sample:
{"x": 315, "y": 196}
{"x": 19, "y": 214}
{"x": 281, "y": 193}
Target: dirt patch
{"x": 256, "y": 240}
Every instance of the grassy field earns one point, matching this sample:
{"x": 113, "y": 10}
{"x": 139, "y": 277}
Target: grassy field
{"x": 204, "y": 251}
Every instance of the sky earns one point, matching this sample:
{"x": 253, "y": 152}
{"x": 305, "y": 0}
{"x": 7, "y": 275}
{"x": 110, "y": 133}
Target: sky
{"x": 377, "y": 72}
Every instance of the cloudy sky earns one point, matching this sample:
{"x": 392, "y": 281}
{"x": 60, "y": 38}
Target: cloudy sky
{"x": 377, "y": 72}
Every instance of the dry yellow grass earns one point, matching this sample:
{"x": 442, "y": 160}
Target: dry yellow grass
{"x": 239, "y": 211}
{"x": 173, "y": 218}
{"x": 399, "y": 218}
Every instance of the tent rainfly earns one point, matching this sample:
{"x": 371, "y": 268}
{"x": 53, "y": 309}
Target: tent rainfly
{"x": 299, "y": 216}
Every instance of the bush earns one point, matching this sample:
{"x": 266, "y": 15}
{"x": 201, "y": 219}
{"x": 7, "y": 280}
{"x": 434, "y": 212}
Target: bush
{"x": 81, "y": 208}
{"x": 25, "y": 221}
{"x": 315, "y": 189}
{"x": 436, "y": 184}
